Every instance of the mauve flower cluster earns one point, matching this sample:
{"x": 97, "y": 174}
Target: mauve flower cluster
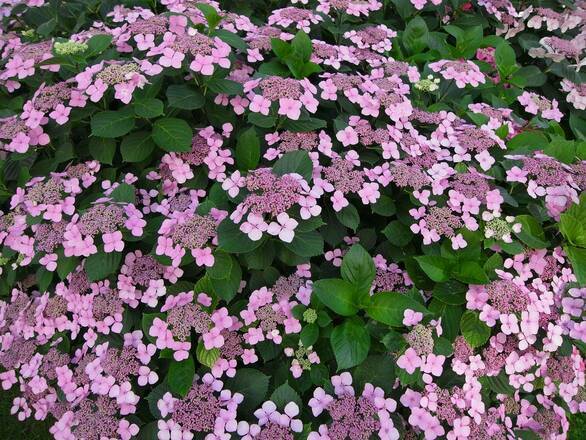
{"x": 337, "y": 219}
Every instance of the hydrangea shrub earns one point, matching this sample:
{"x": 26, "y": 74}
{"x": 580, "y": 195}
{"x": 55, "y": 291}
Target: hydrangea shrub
{"x": 322, "y": 220}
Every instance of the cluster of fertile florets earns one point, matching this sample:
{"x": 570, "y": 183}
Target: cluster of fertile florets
{"x": 61, "y": 227}
{"x": 149, "y": 272}
{"x": 546, "y": 177}
{"x": 160, "y": 42}
{"x": 269, "y": 313}
{"x": 206, "y": 150}
{"x": 207, "y": 408}
{"x": 270, "y": 197}
{"x": 352, "y": 416}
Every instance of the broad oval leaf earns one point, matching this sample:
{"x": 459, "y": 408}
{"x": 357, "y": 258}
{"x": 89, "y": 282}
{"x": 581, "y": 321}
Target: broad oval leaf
{"x": 350, "y": 343}
{"x": 338, "y": 295}
{"x": 389, "y": 307}
{"x": 172, "y": 134}
{"x": 112, "y": 124}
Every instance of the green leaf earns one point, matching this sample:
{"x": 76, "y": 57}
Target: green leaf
{"x": 309, "y": 69}
{"x": 443, "y": 346}
{"x": 531, "y": 233}
{"x": 180, "y": 376}
{"x": 358, "y": 268}
{"x": 470, "y": 272}
{"x": 407, "y": 379}
{"x": 349, "y": 217}
{"x": 398, "y": 234}
{"x": 384, "y": 206}
{"x": 247, "y": 150}
{"x": 301, "y": 45}
{"x": 577, "y": 257}
{"x": 499, "y": 384}
{"x": 450, "y": 316}
{"x": 562, "y": 149}
{"x": 46, "y": 28}
{"x": 231, "y": 38}
{"x": 525, "y": 434}
{"x": 528, "y": 76}
{"x": 572, "y": 224}
{"x": 467, "y": 41}
{"x": 66, "y": 265}
{"x": 505, "y": 59}
{"x": 379, "y": 370}
{"x": 184, "y": 97}
{"x": 306, "y": 244}
{"x": 225, "y": 86}
{"x": 435, "y": 267}
{"x": 112, "y": 124}
{"x": 154, "y": 396}
{"x": 261, "y": 257}
{"x": 148, "y": 107}
{"x": 578, "y": 126}
{"x": 137, "y": 146}
{"x": 44, "y": 278}
{"x": 309, "y": 335}
{"x": 415, "y": 35}
{"x": 494, "y": 262}
{"x": 98, "y": 43}
{"x": 262, "y": 121}
{"x": 250, "y": 383}
{"x": 302, "y": 125}
{"x": 226, "y": 288}
{"x": 350, "y": 343}
{"x": 285, "y": 394}
{"x": 404, "y": 7}
{"x": 473, "y": 329}
{"x": 338, "y": 295}
{"x": 388, "y": 307}
{"x": 210, "y": 14}
{"x": 281, "y": 48}
{"x": 102, "y": 149}
{"x": 311, "y": 224}
{"x": 528, "y": 139}
{"x": 231, "y": 239}
{"x": 172, "y": 134}
{"x": 581, "y": 149}
{"x": 150, "y": 431}
{"x": 294, "y": 162}
{"x": 206, "y": 357}
{"x": 451, "y": 292}
{"x": 222, "y": 265}
{"x": 502, "y": 131}
{"x": 99, "y": 266}
{"x": 417, "y": 275}
{"x": 472, "y": 41}
{"x": 124, "y": 193}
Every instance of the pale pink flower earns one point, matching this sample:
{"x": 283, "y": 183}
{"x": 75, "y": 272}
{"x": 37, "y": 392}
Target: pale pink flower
{"x": 203, "y": 64}
{"x": 113, "y": 242}
{"x": 203, "y": 257}
{"x": 171, "y": 58}
{"x": 409, "y": 361}
{"x": 290, "y": 108}
{"x": 284, "y": 227}
{"x": 348, "y": 136}
{"x": 259, "y": 104}
{"x": 254, "y": 226}
{"x": 60, "y": 114}
{"x": 49, "y": 261}
{"x": 411, "y": 317}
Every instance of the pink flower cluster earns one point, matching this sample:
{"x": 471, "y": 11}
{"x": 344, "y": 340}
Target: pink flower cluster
{"x": 178, "y": 294}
